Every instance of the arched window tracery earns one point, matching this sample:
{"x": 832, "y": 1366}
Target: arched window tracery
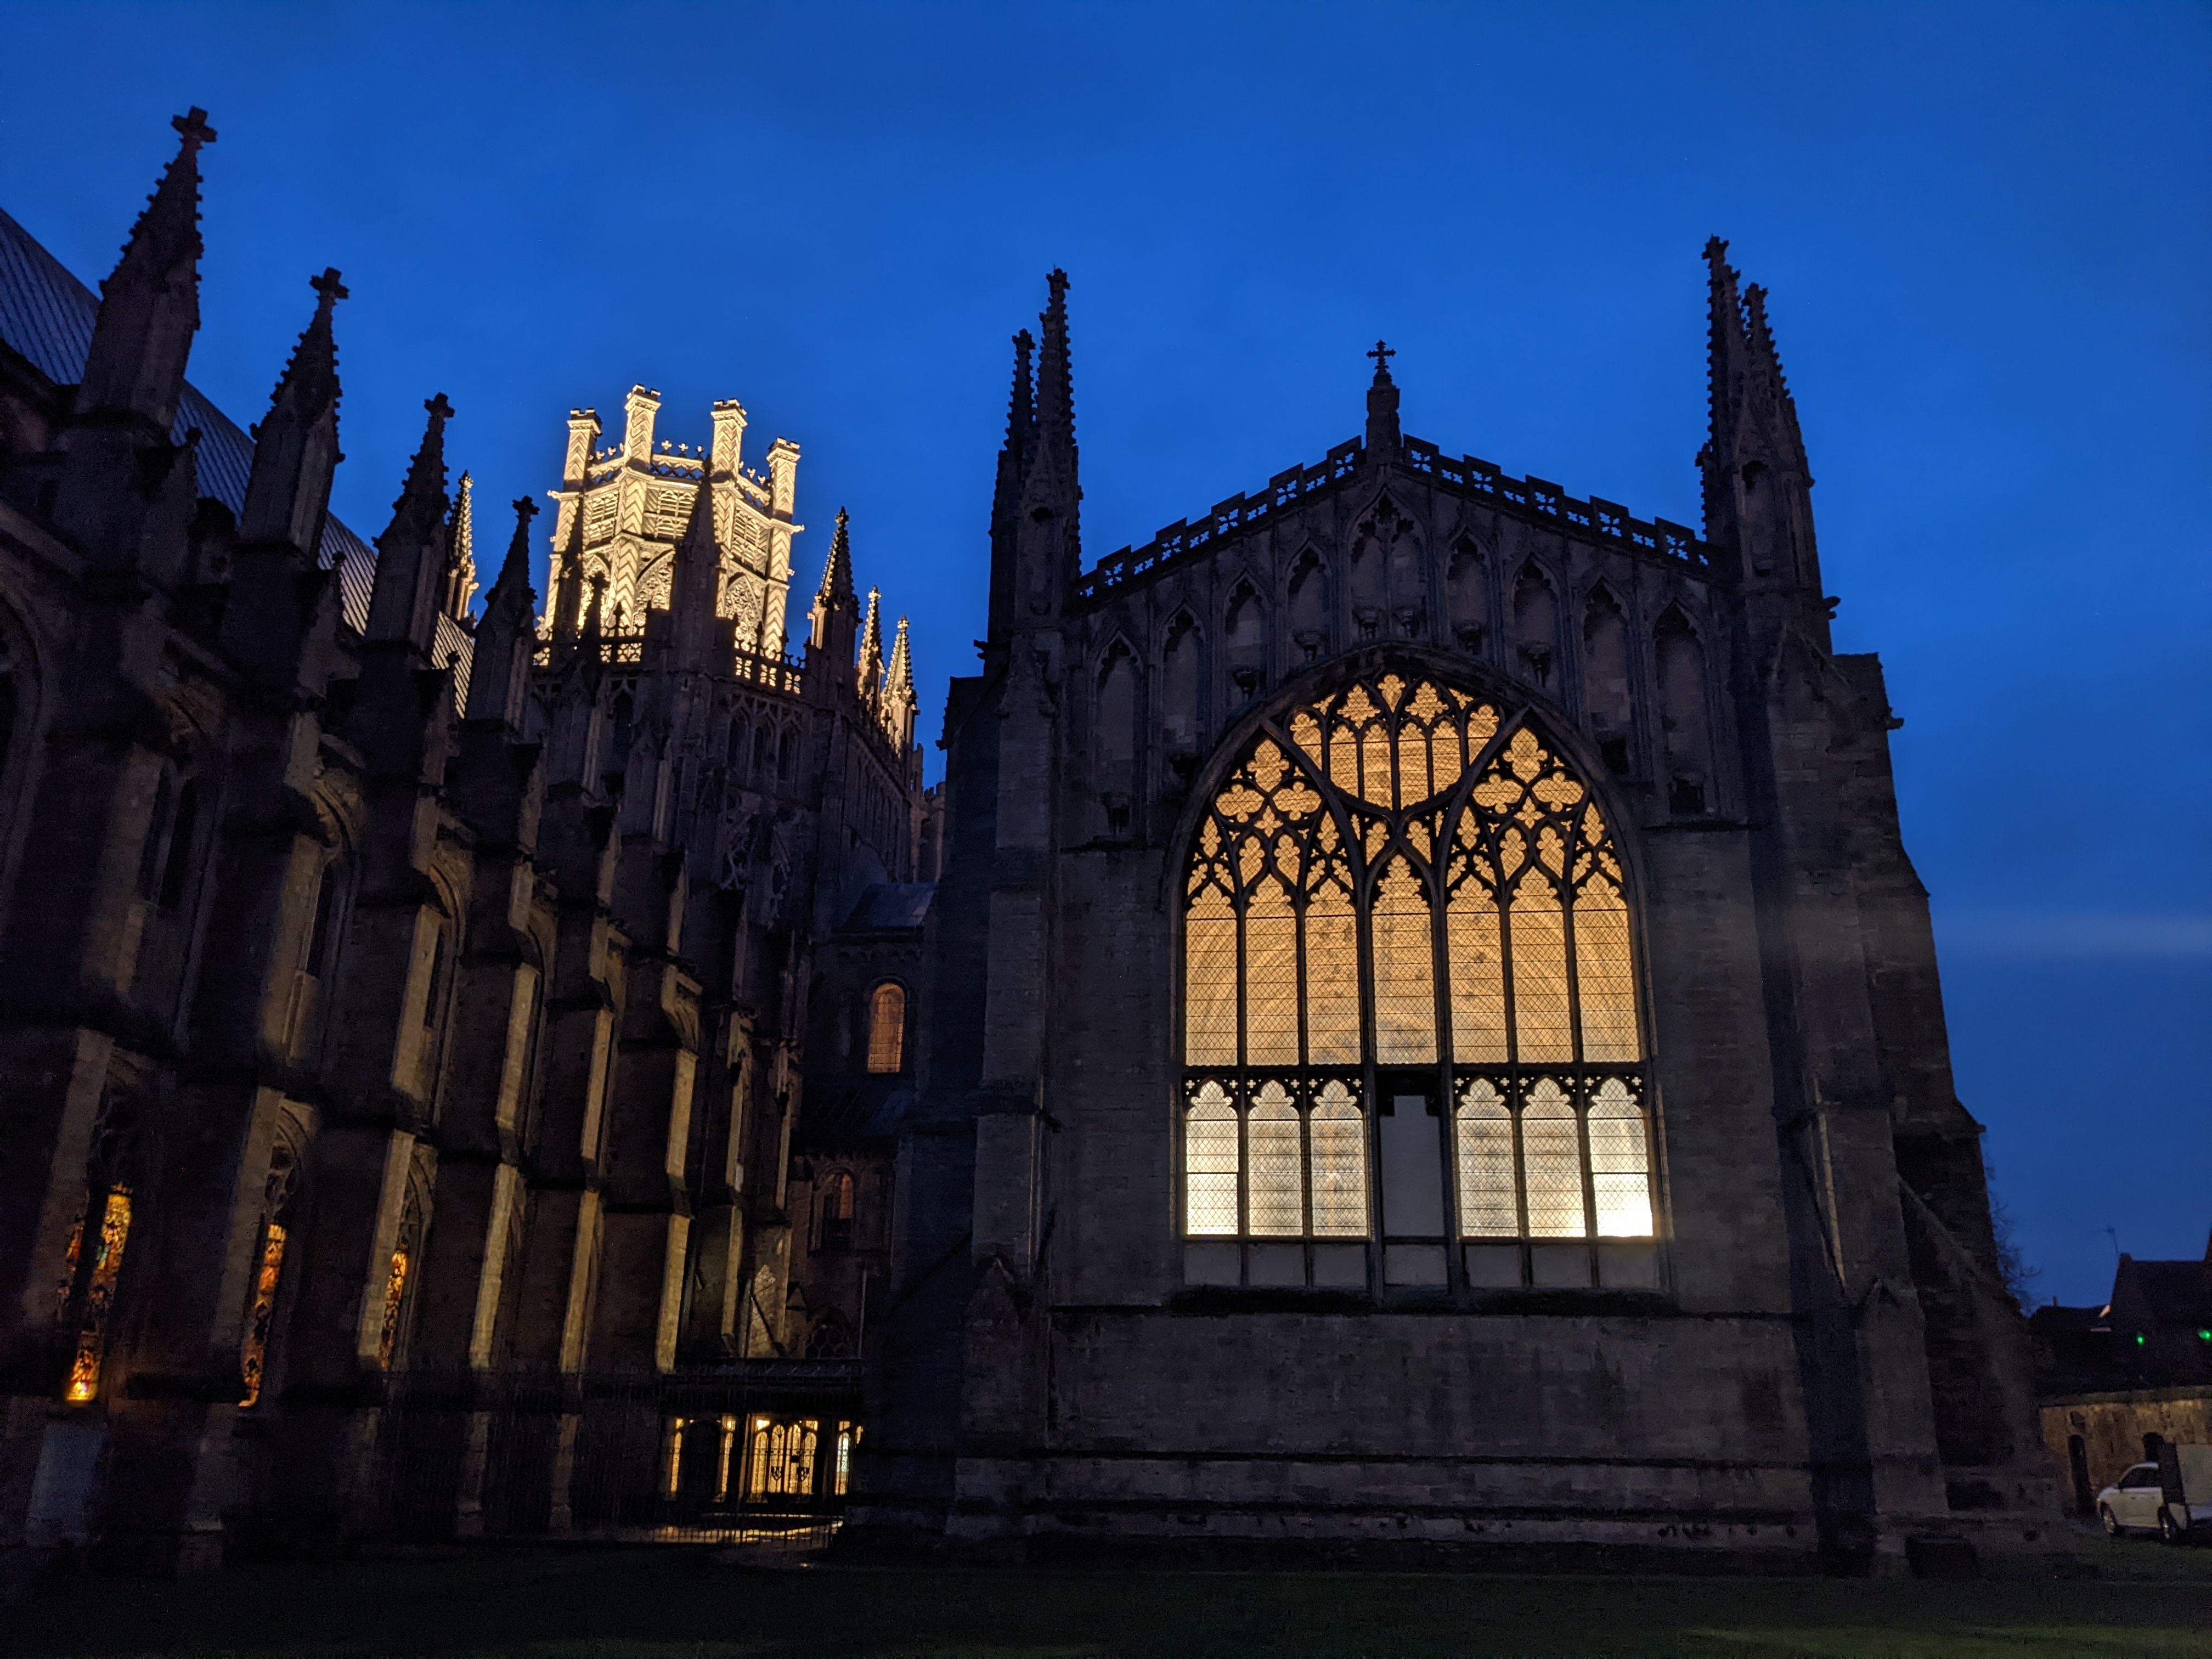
{"x": 1409, "y": 1000}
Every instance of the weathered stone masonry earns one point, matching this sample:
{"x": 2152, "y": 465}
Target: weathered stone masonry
{"x": 1813, "y": 1356}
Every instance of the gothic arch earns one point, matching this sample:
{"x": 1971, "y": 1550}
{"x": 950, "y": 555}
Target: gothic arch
{"x": 1562, "y": 734}
{"x": 1608, "y": 699}
{"x": 1467, "y": 591}
{"x": 1402, "y": 889}
{"x": 1115, "y": 725}
{"x": 1306, "y": 594}
{"x": 1244, "y": 639}
{"x": 1183, "y": 661}
{"x": 1536, "y": 608}
{"x": 1684, "y": 683}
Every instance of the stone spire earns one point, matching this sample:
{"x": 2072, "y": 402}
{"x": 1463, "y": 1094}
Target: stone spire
{"x": 1055, "y": 420}
{"x": 1005, "y": 500}
{"x": 411, "y": 554}
{"x": 1036, "y": 551}
{"x": 837, "y": 616}
{"x": 838, "y": 571}
{"x": 461, "y": 586}
{"x": 695, "y": 582}
{"x": 872, "y": 650}
{"x": 591, "y": 640}
{"x": 568, "y": 587}
{"x": 295, "y": 449}
{"x": 498, "y": 673}
{"x": 899, "y": 678}
{"x": 898, "y": 689}
{"x": 1757, "y": 483}
{"x": 1382, "y": 435}
{"x": 149, "y": 306}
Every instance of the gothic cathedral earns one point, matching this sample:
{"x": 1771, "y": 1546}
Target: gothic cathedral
{"x": 1407, "y": 1031}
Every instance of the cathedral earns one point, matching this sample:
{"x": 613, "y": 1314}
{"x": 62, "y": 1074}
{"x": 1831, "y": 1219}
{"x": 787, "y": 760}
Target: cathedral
{"x": 1407, "y": 1031}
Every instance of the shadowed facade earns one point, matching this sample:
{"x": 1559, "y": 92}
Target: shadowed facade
{"x": 398, "y": 999}
{"x": 1446, "y": 1049}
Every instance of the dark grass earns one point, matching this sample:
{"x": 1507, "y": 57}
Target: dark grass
{"x": 666, "y": 1603}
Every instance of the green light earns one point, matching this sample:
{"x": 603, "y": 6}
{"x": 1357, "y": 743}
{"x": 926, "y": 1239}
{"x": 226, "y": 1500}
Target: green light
{"x": 2204, "y": 1336}
{"x": 2141, "y": 1338}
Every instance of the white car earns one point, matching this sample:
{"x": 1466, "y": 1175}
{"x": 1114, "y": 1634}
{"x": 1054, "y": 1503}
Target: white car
{"x": 2137, "y": 1502}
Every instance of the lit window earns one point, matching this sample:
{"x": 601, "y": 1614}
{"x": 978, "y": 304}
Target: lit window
{"x": 887, "y": 1028}
{"x": 1400, "y": 879}
{"x": 99, "y": 1293}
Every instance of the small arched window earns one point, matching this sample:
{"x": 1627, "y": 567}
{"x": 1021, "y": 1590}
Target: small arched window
{"x": 1406, "y": 950}
{"x": 887, "y": 1028}
{"x": 269, "y": 1265}
{"x": 400, "y": 1274}
{"x": 833, "y": 1232}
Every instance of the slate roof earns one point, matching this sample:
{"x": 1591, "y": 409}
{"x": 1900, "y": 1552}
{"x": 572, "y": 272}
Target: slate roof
{"x": 2180, "y": 1291}
{"x": 839, "y": 1117}
{"x": 887, "y": 906}
{"x": 46, "y": 317}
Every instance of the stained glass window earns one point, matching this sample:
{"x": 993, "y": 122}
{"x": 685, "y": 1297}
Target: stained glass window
{"x": 887, "y": 1028}
{"x": 1400, "y": 875}
{"x": 100, "y": 1291}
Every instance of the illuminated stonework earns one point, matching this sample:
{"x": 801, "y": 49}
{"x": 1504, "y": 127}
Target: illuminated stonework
{"x": 623, "y": 508}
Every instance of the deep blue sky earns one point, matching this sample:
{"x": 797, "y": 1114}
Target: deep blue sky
{"x": 1985, "y": 230}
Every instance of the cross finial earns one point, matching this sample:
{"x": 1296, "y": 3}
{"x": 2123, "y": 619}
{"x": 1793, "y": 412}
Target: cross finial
{"x": 328, "y": 285}
{"x": 524, "y": 509}
{"x": 194, "y": 125}
{"x": 1383, "y": 354}
{"x": 439, "y": 407}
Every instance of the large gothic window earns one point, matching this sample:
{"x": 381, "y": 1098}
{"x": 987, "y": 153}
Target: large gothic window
{"x": 1410, "y": 1008}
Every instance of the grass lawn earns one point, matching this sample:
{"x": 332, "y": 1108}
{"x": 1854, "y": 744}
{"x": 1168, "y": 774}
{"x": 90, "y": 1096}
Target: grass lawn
{"x": 689, "y": 1604}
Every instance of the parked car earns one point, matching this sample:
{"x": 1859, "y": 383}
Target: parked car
{"x": 2139, "y": 1501}
{"x": 2132, "y": 1502}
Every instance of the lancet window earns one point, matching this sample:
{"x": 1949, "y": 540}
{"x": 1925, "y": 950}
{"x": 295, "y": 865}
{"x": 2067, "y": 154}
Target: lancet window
{"x": 1410, "y": 1011}
{"x": 887, "y": 1028}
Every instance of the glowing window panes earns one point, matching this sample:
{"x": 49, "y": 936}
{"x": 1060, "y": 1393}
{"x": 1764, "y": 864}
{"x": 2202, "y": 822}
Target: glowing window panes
{"x": 887, "y": 1028}
{"x": 1551, "y": 1162}
{"x": 1620, "y": 1176}
{"x": 1604, "y": 981}
{"x": 1210, "y": 987}
{"x": 1489, "y": 1205}
{"x": 1276, "y": 1193}
{"x": 1340, "y": 1165}
{"x": 1332, "y": 978}
{"x": 1270, "y": 977}
{"x": 1478, "y": 976}
{"x": 100, "y": 1294}
{"x": 395, "y": 1300}
{"x": 1395, "y": 875}
{"x": 1210, "y": 1164}
{"x": 1405, "y": 970}
{"x": 266, "y": 1278}
{"x": 1538, "y": 929}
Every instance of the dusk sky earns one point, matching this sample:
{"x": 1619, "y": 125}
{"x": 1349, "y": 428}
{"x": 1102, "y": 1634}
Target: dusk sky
{"x": 1987, "y": 231}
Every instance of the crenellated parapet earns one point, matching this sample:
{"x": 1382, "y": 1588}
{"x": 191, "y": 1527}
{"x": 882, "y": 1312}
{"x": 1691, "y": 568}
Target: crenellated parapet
{"x": 624, "y": 507}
